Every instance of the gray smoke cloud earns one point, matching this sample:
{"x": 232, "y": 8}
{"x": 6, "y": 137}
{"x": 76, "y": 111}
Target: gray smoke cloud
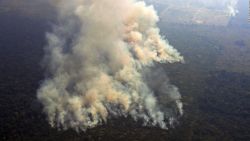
{"x": 101, "y": 60}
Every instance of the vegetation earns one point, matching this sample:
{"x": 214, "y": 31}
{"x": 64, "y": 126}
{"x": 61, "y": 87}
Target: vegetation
{"x": 216, "y": 97}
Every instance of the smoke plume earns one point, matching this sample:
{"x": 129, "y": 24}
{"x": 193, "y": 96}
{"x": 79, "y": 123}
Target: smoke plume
{"x": 228, "y": 6}
{"x": 101, "y": 59}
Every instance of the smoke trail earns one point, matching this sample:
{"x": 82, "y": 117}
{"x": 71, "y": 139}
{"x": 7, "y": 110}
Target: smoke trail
{"x": 232, "y": 7}
{"x": 96, "y": 59}
{"x": 228, "y": 6}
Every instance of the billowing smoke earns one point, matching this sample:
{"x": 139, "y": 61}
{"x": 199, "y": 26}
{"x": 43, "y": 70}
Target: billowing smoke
{"x": 101, "y": 59}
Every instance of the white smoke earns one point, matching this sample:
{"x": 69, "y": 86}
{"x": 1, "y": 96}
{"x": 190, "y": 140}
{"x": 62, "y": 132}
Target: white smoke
{"x": 96, "y": 59}
{"x": 232, "y": 7}
{"x": 228, "y": 6}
